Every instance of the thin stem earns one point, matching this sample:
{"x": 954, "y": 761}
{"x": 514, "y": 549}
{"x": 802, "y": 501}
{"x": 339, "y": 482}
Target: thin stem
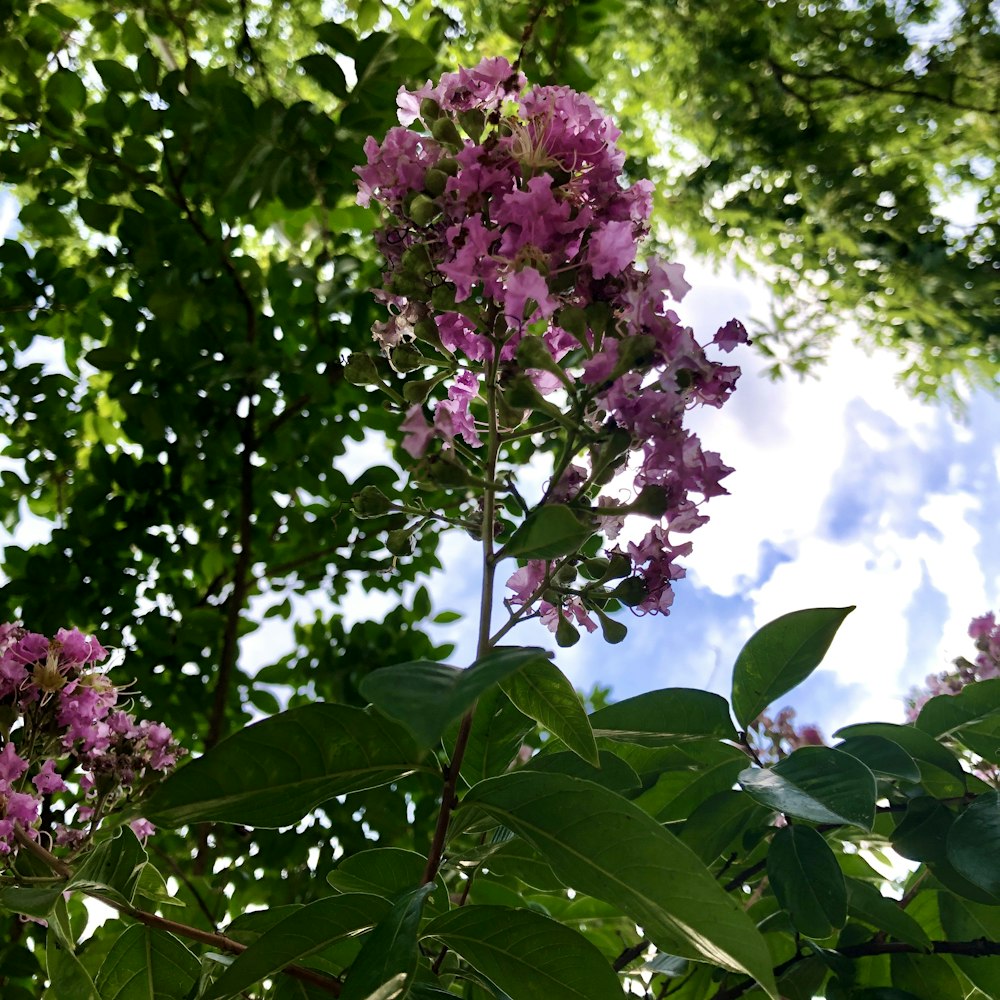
{"x": 451, "y": 772}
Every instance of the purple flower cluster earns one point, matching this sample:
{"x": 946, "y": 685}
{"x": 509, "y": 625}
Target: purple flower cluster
{"x": 985, "y": 632}
{"x": 775, "y": 737}
{"x": 510, "y": 241}
{"x": 63, "y": 736}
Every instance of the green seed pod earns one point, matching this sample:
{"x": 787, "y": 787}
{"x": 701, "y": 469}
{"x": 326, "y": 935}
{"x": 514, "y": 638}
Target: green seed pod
{"x": 566, "y": 633}
{"x": 430, "y": 110}
{"x": 360, "y": 370}
{"x": 371, "y": 502}
{"x": 418, "y": 390}
{"x": 613, "y": 631}
{"x": 444, "y": 130}
{"x": 631, "y": 591}
{"x": 400, "y": 542}
{"x": 435, "y": 181}
{"x": 405, "y": 359}
{"x": 423, "y": 210}
{"x": 447, "y": 165}
{"x": 652, "y": 502}
{"x": 565, "y": 574}
{"x": 473, "y": 122}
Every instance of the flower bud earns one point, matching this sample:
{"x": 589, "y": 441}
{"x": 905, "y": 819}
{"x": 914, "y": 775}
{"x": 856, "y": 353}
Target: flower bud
{"x": 631, "y": 591}
{"x": 567, "y": 634}
{"x": 423, "y": 210}
{"x": 651, "y": 501}
{"x": 435, "y": 181}
{"x": 473, "y": 122}
{"x": 400, "y": 542}
{"x": 405, "y": 359}
{"x": 613, "y": 631}
{"x": 360, "y": 370}
{"x": 444, "y": 130}
{"x": 417, "y": 391}
{"x": 371, "y": 502}
{"x": 565, "y": 575}
{"x": 430, "y": 110}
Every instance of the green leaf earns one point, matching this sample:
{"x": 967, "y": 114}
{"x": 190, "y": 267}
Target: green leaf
{"x": 388, "y": 959}
{"x": 67, "y": 976}
{"x": 498, "y": 732}
{"x": 613, "y": 772}
{"x": 677, "y": 793}
{"x": 621, "y": 855}
{"x": 816, "y": 784}
{"x": 65, "y": 88}
{"x": 527, "y": 955}
{"x": 883, "y": 757}
{"x": 113, "y": 868}
{"x": 386, "y": 872}
{"x": 780, "y": 656}
{"x": 964, "y": 920}
{"x": 807, "y": 881}
{"x": 326, "y": 72}
{"x": 427, "y": 697}
{"x": 337, "y": 37}
{"x": 865, "y": 902}
{"x": 670, "y": 715}
{"x": 100, "y": 216}
{"x": 309, "y": 929}
{"x": 144, "y": 964}
{"x": 972, "y": 717}
{"x": 273, "y": 772}
{"x": 114, "y": 75}
{"x": 974, "y": 843}
{"x": 928, "y": 977}
{"x": 548, "y": 532}
{"x": 916, "y": 743}
{"x": 542, "y": 692}
{"x": 32, "y": 901}
{"x": 718, "y": 821}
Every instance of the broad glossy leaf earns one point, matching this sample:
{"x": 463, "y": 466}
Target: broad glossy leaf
{"x": 922, "y": 835}
{"x": 527, "y": 955}
{"x": 883, "y": 757}
{"x": 964, "y": 920}
{"x": 677, "y": 793}
{"x": 144, "y": 964}
{"x": 807, "y": 881}
{"x": 273, "y": 772}
{"x": 929, "y": 977}
{"x": 603, "y": 845}
{"x": 386, "y": 872}
{"x": 309, "y": 929}
{"x": 326, "y": 72}
{"x": 426, "y": 697}
{"x": 667, "y": 716}
{"x": 866, "y": 903}
{"x": 543, "y": 693}
{"x": 613, "y": 773}
{"x": 915, "y": 742}
{"x": 114, "y": 867}
{"x": 550, "y": 531}
{"x": 974, "y": 843}
{"x": 972, "y": 717}
{"x": 388, "y": 959}
{"x": 498, "y": 731}
{"x": 816, "y": 784}
{"x": 780, "y": 656}
{"x": 719, "y": 820}
{"x": 67, "y": 975}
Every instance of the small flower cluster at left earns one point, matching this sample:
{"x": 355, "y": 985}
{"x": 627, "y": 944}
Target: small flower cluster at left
{"x": 69, "y": 754}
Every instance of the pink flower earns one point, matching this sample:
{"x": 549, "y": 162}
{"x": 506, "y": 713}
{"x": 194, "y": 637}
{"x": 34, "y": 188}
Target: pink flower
{"x": 47, "y": 781}
{"x": 417, "y": 431}
{"x": 731, "y": 335}
{"x": 452, "y": 417}
{"x": 11, "y": 765}
{"x": 522, "y": 286}
{"x": 142, "y": 828}
{"x": 611, "y": 249}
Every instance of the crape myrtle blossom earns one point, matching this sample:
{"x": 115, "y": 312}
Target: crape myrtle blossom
{"x": 510, "y": 239}
{"x": 64, "y": 738}
{"x": 985, "y": 632}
